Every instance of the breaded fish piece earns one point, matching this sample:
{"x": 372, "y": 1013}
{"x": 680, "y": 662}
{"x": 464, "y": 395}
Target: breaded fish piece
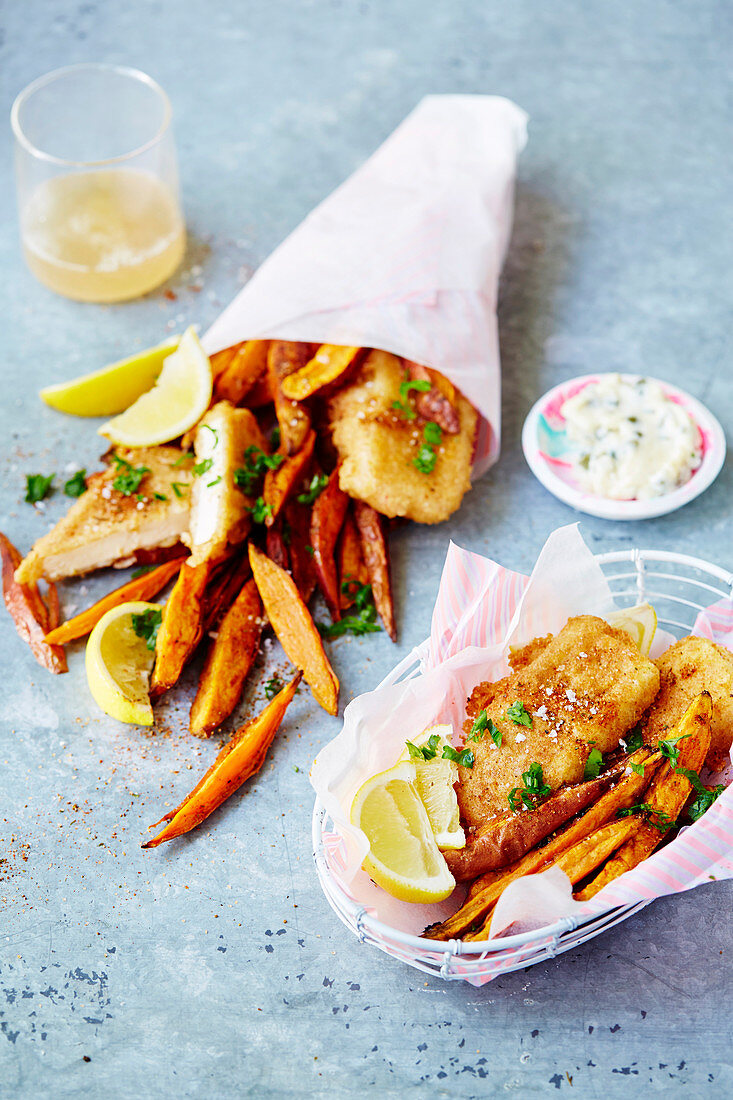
{"x": 687, "y": 668}
{"x": 220, "y": 515}
{"x": 377, "y": 447}
{"x": 106, "y": 526}
{"x": 586, "y": 687}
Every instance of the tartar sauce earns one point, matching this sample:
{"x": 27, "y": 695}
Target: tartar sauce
{"x": 630, "y": 440}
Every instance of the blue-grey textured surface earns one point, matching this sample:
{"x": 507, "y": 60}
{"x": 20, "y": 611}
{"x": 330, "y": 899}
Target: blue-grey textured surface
{"x": 214, "y": 967}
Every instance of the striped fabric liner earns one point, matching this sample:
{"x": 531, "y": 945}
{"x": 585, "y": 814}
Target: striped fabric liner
{"x": 475, "y": 605}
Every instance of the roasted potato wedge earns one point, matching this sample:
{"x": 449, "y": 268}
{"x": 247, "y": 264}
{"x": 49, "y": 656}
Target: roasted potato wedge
{"x": 327, "y": 516}
{"x": 376, "y": 557}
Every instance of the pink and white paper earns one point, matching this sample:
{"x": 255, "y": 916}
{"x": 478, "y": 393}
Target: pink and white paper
{"x": 481, "y": 610}
{"x": 405, "y": 255}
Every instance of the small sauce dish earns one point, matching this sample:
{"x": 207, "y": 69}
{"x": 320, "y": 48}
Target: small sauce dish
{"x": 555, "y": 459}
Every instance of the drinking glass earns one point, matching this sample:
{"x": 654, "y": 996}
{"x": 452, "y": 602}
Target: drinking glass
{"x": 97, "y": 182}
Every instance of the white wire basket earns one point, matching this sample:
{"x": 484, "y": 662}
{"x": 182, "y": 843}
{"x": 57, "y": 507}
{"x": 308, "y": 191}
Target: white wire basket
{"x": 679, "y": 587}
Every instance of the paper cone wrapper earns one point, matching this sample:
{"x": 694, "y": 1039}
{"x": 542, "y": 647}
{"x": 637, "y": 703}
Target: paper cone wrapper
{"x": 481, "y": 610}
{"x": 405, "y": 255}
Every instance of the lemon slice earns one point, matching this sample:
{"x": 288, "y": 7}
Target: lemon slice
{"x": 640, "y": 622}
{"x": 179, "y": 398}
{"x": 403, "y": 858}
{"x": 435, "y": 779}
{"x": 118, "y": 664}
{"x": 112, "y": 389}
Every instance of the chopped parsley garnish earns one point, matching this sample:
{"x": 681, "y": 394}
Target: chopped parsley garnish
{"x": 465, "y": 757}
{"x": 483, "y": 725}
{"x": 260, "y": 511}
{"x": 202, "y": 467}
{"x": 657, "y": 818}
{"x": 362, "y": 621}
{"x": 37, "y": 487}
{"x": 533, "y": 790}
{"x": 309, "y": 550}
{"x": 128, "y": 477}
{"x": 76, "y": 485}
{"x": 634, "y": 740}
{"x": 428, "y": 751}
{"x": 185, "y": 457}
{"x": 593, "y": 764}
{"x": 519, "y": 714}
{"x": 210, "y": 484}
{"x": 142, "y": 571}
{"x": 669, "y": 749}
{"x": 638, "y": 768}
{"x": 275, "y": 438}
{"x": 160, "y": 496}
{"x": 314, "y": 489}
{"x": 705, "y": 796}
{"x": 427, "y": 455}
{"x": 147, "y": 624}
{"x": 214, "y": 432}
{"x": 178, "y": 487}
{"x": 404, "y": 405}
{"x": 273, "y": 686}
{"x": 256, "y": 463}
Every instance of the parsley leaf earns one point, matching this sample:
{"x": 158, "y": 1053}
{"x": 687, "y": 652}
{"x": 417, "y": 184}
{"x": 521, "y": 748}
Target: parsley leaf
{"x": 363, "y": 621}
{"x": 465, "y": 757}
{"x": 214, "y": 432}
{"x": 659, "y": 819}
{"x": 273, "y": 686}
{"x": 160, "y": 496}
{"x": 143, "y": 569}
{"x": 593, "y": 764}
{"x": 37, "y": 487}
{"x": 203, "y": 467}
{"x": 425, "y": 459}
{"x": 128, "y": 477}
{"x": 534, "y": 789}
{"x": 638, "y": 768}
{"x": 147, "y": 624}
{"x": 210, "y": 484}
{"x": 275, "y": 438}
{"x": 433, "y": 433}
{"x": 404, "y": 406}
{"x": 260, "y": 511}
{"x": 76, "y": 485}
{"x": 519, "y": 714}
{"x": 185, "y": 457}
{"x": 256, "y": 463}
{"x": 317, "y": 484}
{"x": 178, "y": 487}
{"x": 670, "y": 748}
{"x": 483, "y": 725}
{"x": 634, "y": 740}
{"x": 428, "y": 751}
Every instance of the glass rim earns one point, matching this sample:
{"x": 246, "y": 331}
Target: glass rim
{"x": 100, "y": 66}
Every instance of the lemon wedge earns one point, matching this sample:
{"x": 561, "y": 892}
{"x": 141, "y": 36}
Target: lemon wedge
{"x": 403, "y": 857}
{"x": 640, "y": 622}
{"x": 118, "y": 665}
{"x": 176, "y": 402}
{"x": 435, "y": 779}
{"x": 112, "y": 389}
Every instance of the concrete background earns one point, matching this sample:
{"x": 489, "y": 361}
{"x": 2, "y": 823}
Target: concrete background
{"x": 214, "y": 967}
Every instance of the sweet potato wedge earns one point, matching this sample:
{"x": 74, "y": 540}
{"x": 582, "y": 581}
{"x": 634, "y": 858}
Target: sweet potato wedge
{"x": 506, "y": 839}
{"x": 181, "y": 627}
{"x": 434, "y": 404}
{"x": 244, "y": 369}
{"x": 228, "y": 662}
{"x": 283, "y": 359}
{"x": 240, "y": 758}
{"x": 276, "y": 547}
{"x": 30, "y": 614}
{"x": 140, "y": 588}
{"x": 351, "y": 567}
{"x": 260, "y": 395}
{"x": 220, "y": 360}
{"x": 486, "y": 890}
{"x": 665, "y": 798}
{"x": 295, "y": 629}
{"x": 302, "y": 566}
{"x": 280, "y": 482}
{"x": 330, "y": 363}
{"x": 224, "y": 584}
{"x": 327, "y": 516}
{"x": 376, "y": 556}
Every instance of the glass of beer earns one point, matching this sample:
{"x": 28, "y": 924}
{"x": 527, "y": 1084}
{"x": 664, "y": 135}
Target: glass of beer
{"x": 98, "y": 197}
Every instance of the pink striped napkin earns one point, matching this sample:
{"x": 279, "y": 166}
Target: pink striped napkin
{"x": 405, "y": 255}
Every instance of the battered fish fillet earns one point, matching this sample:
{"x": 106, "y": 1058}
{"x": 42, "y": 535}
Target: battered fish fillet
{"x": 220, "y": 515}
{"x": 377, "y": 447}
{"x": 584, "y": 688}
{"x": 688, "y": 667}
{"x": 106, "y": 526}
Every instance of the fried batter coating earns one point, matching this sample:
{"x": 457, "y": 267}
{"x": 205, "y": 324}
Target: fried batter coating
{"x": 377, "y": 447}
{"x": 687, "y": 668}
{"x": 587, "y": 686}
